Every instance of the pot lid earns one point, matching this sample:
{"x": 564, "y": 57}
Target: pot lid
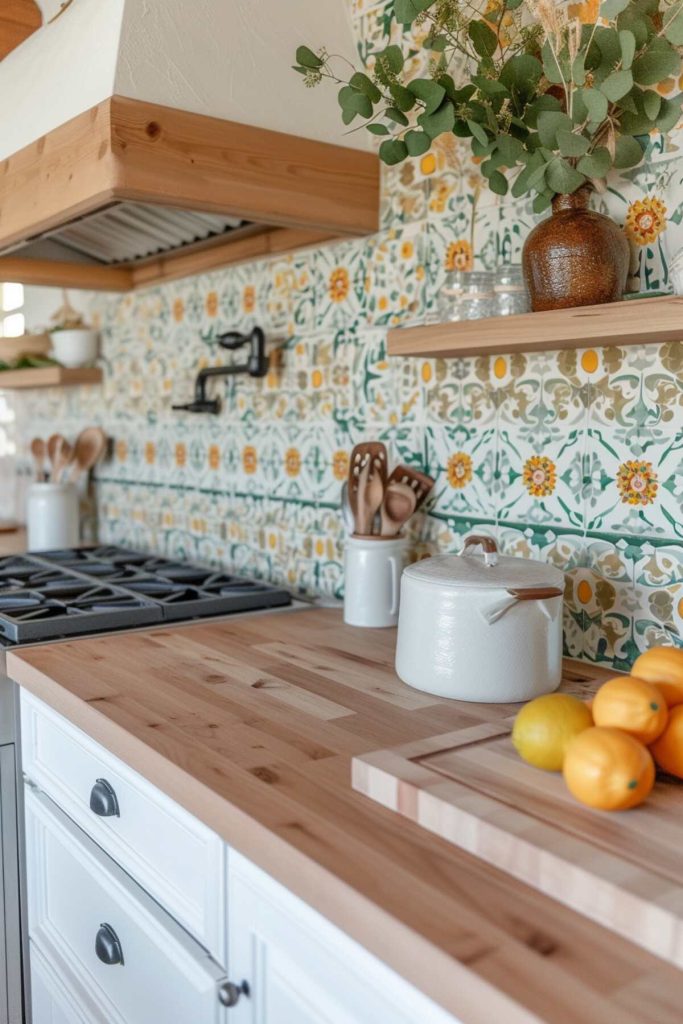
{"x": 490, "y": 571}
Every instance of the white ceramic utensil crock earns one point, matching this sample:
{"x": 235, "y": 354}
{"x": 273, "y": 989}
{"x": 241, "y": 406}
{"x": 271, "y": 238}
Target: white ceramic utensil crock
{"x": 52, "y": 516}
{"x": 481, "y": 628}
{"x": 372, "y": 580}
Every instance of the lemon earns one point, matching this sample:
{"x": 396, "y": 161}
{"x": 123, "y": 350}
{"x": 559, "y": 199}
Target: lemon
{"x": 544, "y": 727}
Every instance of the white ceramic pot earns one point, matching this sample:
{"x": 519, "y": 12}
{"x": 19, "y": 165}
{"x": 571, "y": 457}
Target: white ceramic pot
{"x": 481, "y": 628}
{"x": 74, "y": 348}
{"x": 372, "y": 580}
{"x": 52, "y": 516}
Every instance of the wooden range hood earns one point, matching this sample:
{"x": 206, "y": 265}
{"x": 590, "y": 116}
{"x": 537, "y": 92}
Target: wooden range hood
{"x": 131, "y": 192}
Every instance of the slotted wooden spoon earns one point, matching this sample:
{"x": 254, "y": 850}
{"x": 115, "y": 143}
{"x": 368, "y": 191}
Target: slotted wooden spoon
{"x": 373, "y": 455}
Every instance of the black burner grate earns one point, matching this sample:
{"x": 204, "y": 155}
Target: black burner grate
{"x": 75, "y": 591}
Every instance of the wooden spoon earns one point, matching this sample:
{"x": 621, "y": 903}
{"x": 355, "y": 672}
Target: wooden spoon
{"x": 59, "y": 454}
{"x": 374, "y": 455}
{"x": 420, "y": 483}
{"x": 398, "y": 506}
{"x": 39, "y": 451}
{"x": 89, "y": 449}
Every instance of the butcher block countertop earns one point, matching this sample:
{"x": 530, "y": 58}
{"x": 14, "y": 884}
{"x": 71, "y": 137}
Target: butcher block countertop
{"x": 251, "y": 725}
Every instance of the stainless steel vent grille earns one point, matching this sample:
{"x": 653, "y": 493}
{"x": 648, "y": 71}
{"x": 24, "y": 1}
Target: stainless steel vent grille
{"x": 131, "y": 232}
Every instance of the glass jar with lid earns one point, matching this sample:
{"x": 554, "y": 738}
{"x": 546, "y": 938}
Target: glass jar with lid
{"x": 510, "y": 291}
{"x": 478, "y": 298}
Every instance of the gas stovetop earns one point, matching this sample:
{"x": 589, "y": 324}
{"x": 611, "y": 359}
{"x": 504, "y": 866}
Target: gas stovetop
{"x": 56, "y": 594}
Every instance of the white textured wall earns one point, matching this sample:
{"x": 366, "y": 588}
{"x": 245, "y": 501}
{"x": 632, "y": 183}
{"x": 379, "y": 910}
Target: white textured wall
{"x": 226, "y": 58}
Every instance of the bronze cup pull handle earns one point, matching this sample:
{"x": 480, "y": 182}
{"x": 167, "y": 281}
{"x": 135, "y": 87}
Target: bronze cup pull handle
{"x": 534, "y": 593}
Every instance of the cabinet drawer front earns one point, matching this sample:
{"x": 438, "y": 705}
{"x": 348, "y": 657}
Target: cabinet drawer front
{"x": 54, "y": 1002}
{"x": 171, "y": 854}
{"x": 74, "y": 891}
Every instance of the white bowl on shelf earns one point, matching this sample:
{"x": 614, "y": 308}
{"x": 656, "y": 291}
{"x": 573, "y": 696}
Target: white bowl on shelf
{"x": 75, "y": 347}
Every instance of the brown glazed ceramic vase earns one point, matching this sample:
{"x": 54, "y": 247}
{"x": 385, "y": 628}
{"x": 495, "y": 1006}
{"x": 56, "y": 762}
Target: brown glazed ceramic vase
{"x": 576, "y": 257}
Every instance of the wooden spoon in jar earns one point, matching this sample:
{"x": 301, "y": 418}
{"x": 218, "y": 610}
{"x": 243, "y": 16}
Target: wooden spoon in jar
{"x": 89, "y": 448}
{"x": 39, "y": 451}
{"x": 59, "y": 454}
{"x": 398, "y": 506}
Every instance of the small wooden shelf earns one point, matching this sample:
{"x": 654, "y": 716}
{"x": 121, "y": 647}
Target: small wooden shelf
{"x": 632, "y": 322}
{"x": 48, "y": 377}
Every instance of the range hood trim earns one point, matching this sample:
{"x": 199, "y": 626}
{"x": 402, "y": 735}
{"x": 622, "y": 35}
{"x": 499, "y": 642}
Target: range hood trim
{"x": 125, "y": 149}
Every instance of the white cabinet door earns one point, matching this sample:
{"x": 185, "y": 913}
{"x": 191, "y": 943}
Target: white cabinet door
{"x": 174, "y": 857}
{"x": 53, "y": 1001}
{"x": 300, "y": 969}
{"x": 104, "y": 937}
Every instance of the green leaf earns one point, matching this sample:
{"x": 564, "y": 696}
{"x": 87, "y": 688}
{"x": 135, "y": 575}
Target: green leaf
{"x": 402, "y": 97}
{"x": 627, "y": 41}
{"x": 429, "y": 91}
{"x": 417, "y": 143}
{"x": 456, "y": 96}
{"x": 669, "y": 113}
{"x": 554, "y": 72}
{"x": 388, "y": 64}
{"x": 633, "y": 20}
{"x": 628, "y": 152}
{"x": 394, "y": 114}
{"x": 522, "y": 183}
{"x": 393, "y": 151}
{"x": 657, "y": 62}
{"x": 652, "y": 102}
{"x": 609, "y": 52}
{"x": 352, "y": 103}
{"x": 596, "y": 164}
{"x": 579, "y": 68}
{"x": 537, "y": 176}
{"x": 617, "y": 85}
{"x": 611, "y": 8}
{"x": 307, "y": 58}
{"x": 437, "y": 43}
{"x": 406, "y": 11}
{"x": 489, "y": 86}
{"x": 442, "y": 120}
{"x": 521, "y": 74}
{"x": 596, "y": 104}
{"x": 478, "y": 132}
{"x": 510, "y": 149}
{"x": 549, "y": 122}
{"x": 545, "y": 102}
{"x": 674, "y": 28}
{"x": 498, "y": 183}
{"x": 571, "y": 144}
{"x": 484, "y": 39}
{"x": 562, "y": 177}
{"x": 542, "y": 202}
{"x": 363, "y": 84}
{"x": 377, "y": 129}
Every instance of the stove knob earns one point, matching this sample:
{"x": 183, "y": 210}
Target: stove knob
{"x": 103, "y": 800}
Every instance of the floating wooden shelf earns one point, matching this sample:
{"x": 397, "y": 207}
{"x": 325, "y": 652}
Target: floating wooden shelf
{"x": 632, "y": 322}
{"x": 48, "y": 377}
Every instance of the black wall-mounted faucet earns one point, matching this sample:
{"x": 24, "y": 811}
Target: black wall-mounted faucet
{"x": 256, "y": 366}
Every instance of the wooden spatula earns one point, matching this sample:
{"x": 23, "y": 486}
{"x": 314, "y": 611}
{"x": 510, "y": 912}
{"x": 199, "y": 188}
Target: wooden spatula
{"x": 419, "y": 482}
{"x": 372, "y": 454}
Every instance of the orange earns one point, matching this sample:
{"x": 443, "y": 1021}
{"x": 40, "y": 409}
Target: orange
{"x": 544, "y": 727}
{"x": 668, "y": 749}
{"x": 633, "y": 705}
{"x": 608, "y": 769}
{"x": 662, "y": 666}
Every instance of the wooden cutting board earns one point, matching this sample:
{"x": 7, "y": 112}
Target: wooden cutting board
{"x": 470, "y": 787}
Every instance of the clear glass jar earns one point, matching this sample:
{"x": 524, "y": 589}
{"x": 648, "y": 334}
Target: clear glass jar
{"x": 510, "y": 291}
{"x": 478, "y": 298}
{"x": 448, "y": 303}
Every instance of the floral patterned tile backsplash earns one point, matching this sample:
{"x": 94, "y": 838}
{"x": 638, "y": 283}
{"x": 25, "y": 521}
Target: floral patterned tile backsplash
{"x": 575, "y": 457}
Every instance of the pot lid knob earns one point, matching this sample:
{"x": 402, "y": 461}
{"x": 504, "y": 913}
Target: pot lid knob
{"x": 487, "y": 544}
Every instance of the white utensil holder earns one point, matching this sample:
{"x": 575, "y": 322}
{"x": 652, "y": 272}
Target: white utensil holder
{"x": 372, "y": 580}
{"x": 52, "y": 516}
